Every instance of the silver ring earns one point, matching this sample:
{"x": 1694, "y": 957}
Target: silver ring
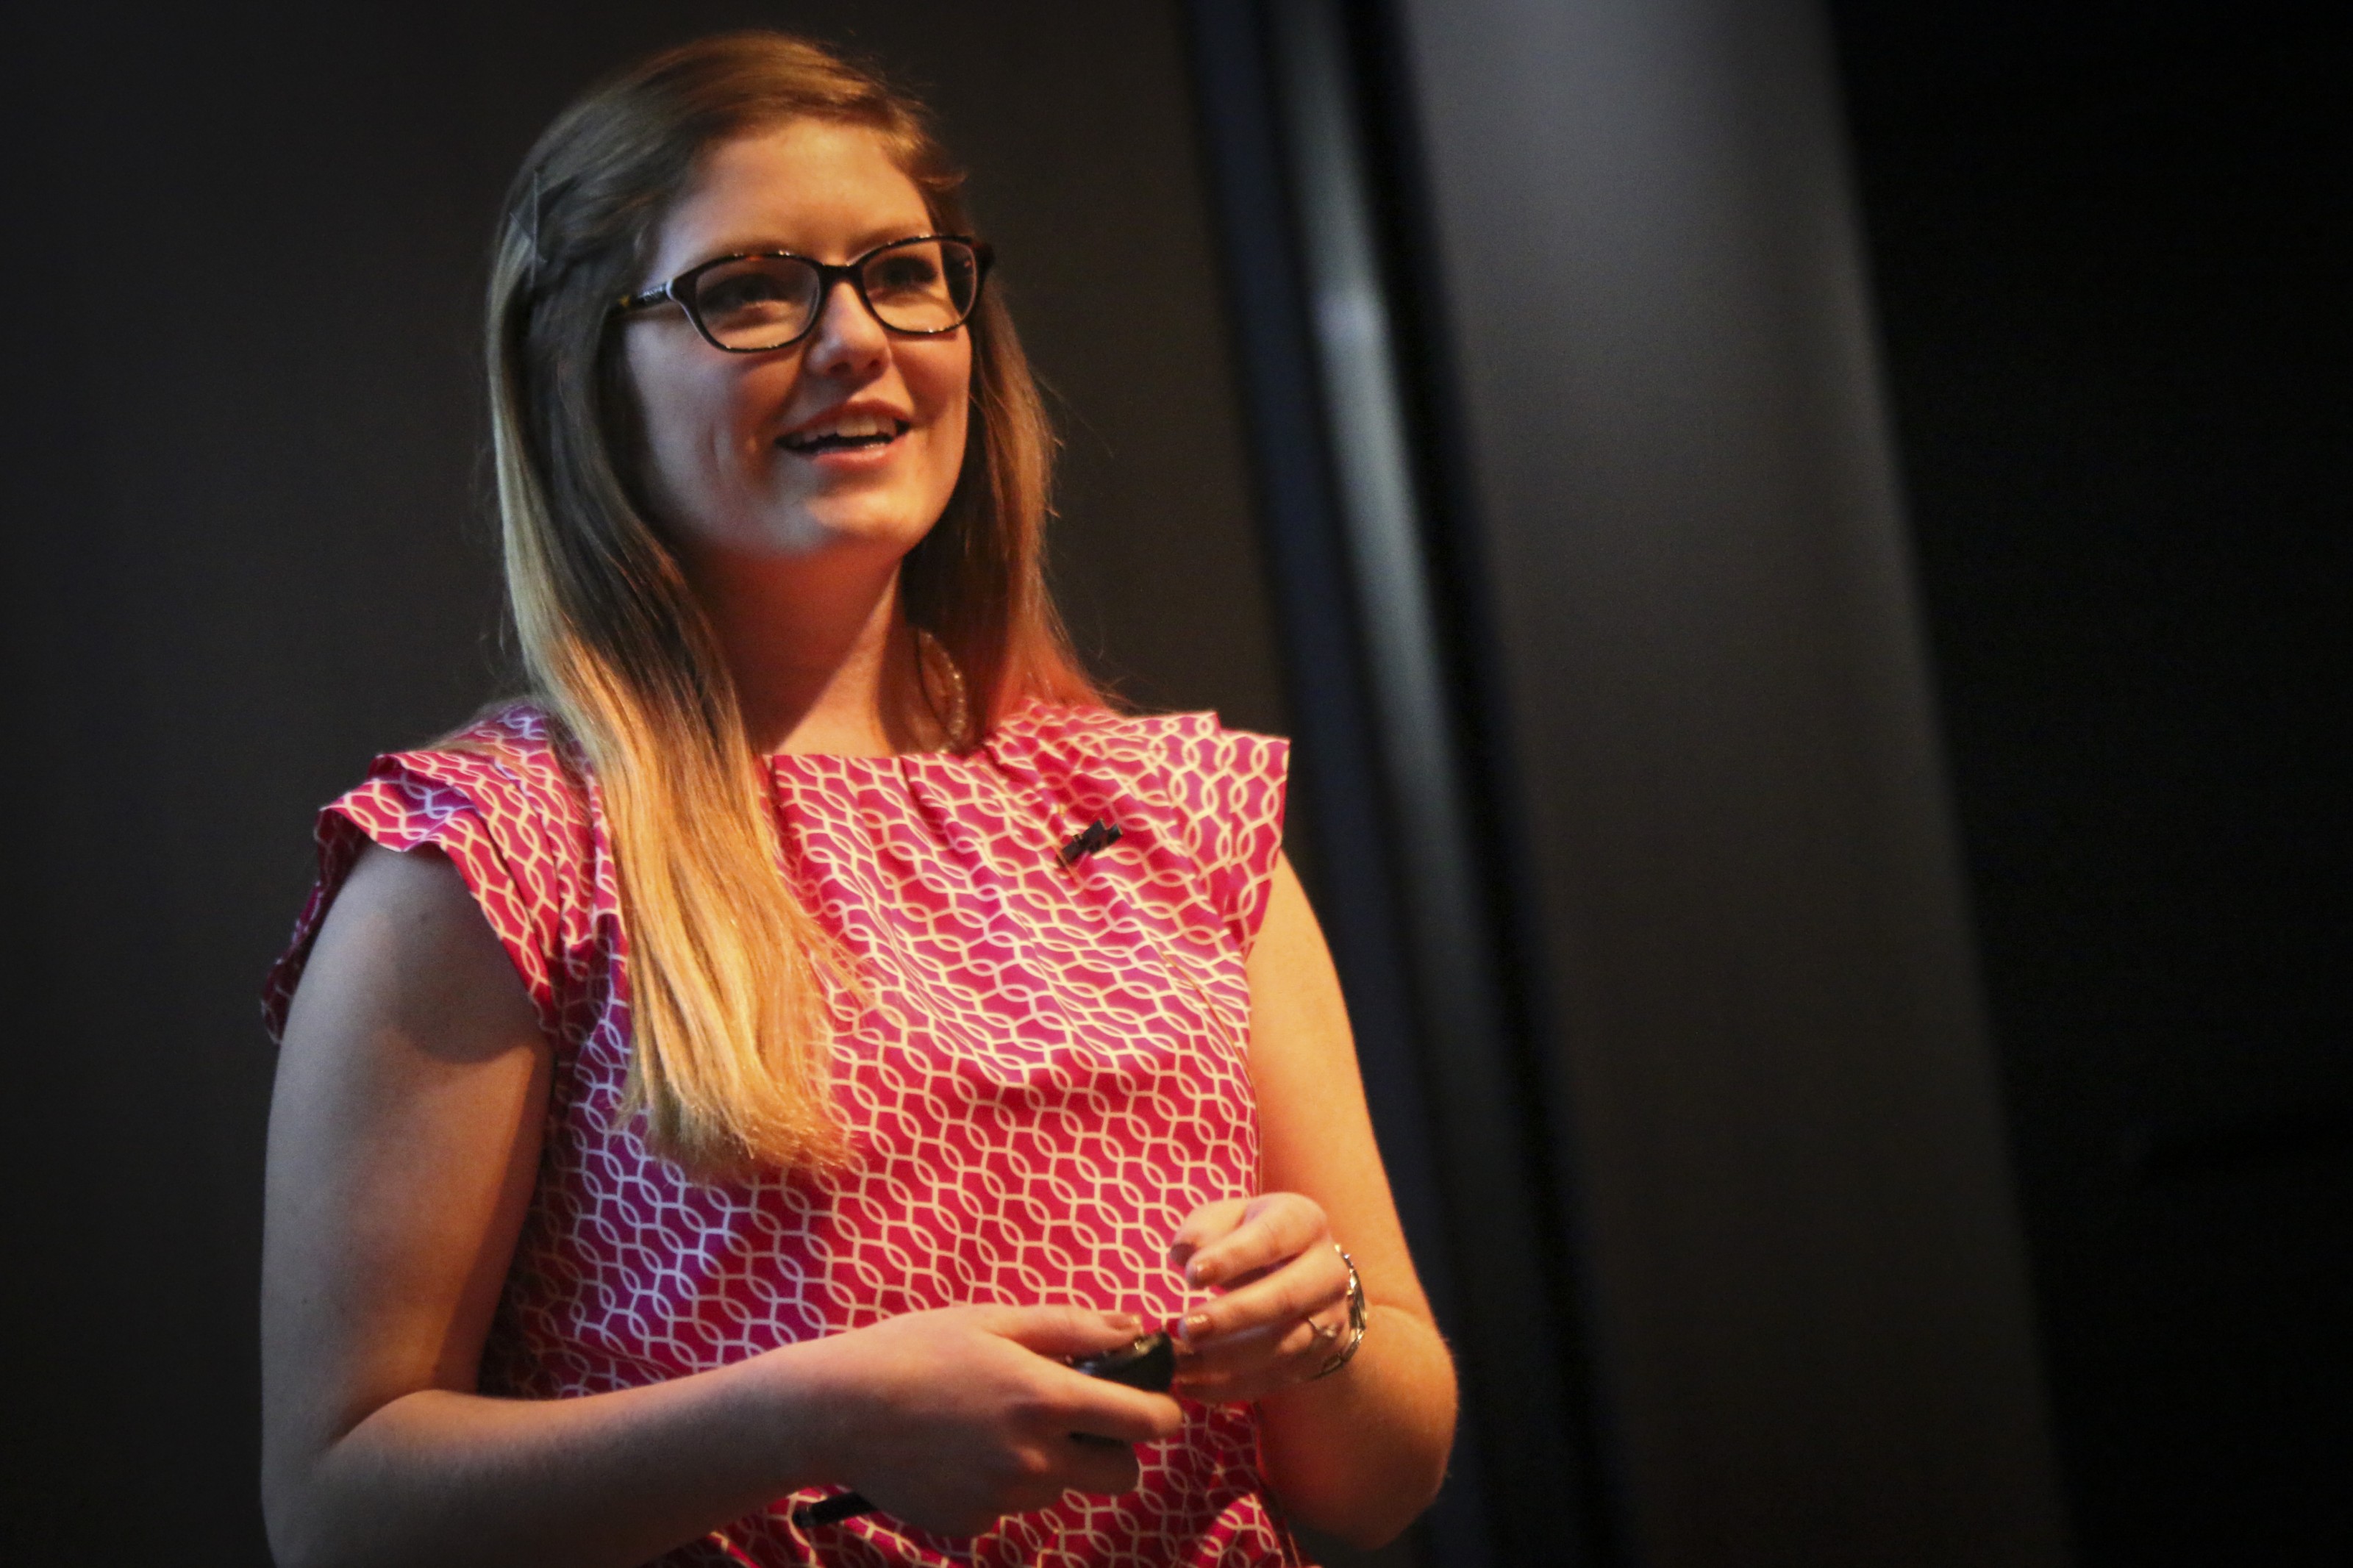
{"x": 1359, "y": 1315}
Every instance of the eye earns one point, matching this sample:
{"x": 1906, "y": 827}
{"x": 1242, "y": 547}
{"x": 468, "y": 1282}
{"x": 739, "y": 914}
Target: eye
{"x": 903, "y": 273}
{"x": 766, "y": 290}
{"x": 924, "y": 286}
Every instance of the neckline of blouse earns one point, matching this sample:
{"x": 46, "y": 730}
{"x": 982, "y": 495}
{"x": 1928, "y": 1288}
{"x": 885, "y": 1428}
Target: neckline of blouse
{"x": 782, "y": 761}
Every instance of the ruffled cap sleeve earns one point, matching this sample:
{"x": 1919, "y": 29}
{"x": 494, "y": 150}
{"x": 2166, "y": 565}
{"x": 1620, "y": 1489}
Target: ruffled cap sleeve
{"x": 499, "y": 801}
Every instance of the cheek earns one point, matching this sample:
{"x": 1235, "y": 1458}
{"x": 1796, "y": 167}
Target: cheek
{"x": 694, "y": 423}
{"x": 947, "y": 390}
{"x": 663, "y": 427}
{"x": 955, "y": 433}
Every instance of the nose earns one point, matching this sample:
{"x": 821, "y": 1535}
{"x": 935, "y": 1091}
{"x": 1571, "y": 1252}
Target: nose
{"x": 847, "y": 340}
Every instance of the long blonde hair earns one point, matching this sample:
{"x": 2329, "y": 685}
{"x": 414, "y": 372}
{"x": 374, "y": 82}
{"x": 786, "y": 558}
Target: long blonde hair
{"x": 733, "y": 981}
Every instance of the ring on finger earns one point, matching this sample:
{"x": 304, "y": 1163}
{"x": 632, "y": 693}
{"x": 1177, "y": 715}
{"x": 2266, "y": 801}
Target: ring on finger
{"x": 1359, "y": 1316}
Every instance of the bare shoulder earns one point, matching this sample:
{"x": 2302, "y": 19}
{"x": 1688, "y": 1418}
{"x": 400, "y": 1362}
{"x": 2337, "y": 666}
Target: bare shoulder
{"x": 407, "y": 948}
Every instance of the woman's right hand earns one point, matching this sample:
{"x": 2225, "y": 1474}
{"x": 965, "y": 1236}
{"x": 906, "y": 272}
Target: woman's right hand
{"x": 953, "y": 1418}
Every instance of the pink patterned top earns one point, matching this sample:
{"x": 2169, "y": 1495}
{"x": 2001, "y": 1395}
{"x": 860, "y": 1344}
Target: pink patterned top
{"x": 1047, "y": 1078}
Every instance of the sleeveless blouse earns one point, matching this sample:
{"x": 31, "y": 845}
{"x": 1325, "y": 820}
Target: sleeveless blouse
{"x": 1049, "y": 1075}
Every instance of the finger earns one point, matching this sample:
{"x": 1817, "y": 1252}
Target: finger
{"x": 1204, "y": 1226}
{"x": 1248, "y": 1352}
{"x": 977, "y": 1519}
{"x": 1254, "y": 1349}
{"x": 1044, "y": 1478}
{"x": 1245, "y": 1366}
{"x": 1104, "y": 1470}
{"x": 1062, "y": 1331}
{"x": 1277, "y": 1226}
{"x": 1310, "y": 1284}
{"x": 1112, "y": 1410}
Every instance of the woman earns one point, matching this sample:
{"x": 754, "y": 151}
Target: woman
{"x": 626, "y": 1194}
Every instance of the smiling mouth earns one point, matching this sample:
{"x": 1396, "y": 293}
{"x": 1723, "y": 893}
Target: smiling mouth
{"x": 849, "y": 435}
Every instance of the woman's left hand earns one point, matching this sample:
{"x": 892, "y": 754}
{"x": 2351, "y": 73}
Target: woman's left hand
{"x": 1281, "y": 1312}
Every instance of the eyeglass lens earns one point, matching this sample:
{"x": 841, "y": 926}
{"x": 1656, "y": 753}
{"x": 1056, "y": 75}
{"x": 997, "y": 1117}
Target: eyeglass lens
{"x": 766, "y": 301}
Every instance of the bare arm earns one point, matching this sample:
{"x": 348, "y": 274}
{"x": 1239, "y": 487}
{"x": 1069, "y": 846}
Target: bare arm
{"x": 1362, "y": 1452}
{"x": 404, "y": 1142}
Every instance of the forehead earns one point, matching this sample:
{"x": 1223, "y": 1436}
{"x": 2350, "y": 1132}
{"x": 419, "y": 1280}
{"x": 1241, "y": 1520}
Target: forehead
{"x": 819, "y": 187}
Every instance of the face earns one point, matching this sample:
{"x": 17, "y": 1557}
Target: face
{"x": 736, "y": 459}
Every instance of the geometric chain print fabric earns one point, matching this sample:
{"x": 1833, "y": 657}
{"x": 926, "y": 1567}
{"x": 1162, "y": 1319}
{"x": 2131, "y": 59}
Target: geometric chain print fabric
{"x": 1048, "y": 1076}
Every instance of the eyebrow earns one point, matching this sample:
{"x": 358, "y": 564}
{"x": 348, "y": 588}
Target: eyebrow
{"x": 767, "y": 244}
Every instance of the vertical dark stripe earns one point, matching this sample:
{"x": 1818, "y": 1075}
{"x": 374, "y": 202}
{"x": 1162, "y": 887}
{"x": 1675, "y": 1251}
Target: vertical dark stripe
{"x": 1762, "y": 1043}
{"x": 1379, "y": 702}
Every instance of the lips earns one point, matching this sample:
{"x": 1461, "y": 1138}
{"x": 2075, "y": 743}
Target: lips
{"x": 846, "y": 431}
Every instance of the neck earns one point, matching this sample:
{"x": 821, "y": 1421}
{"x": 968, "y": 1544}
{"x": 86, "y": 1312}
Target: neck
{"x": 821, "y": 655}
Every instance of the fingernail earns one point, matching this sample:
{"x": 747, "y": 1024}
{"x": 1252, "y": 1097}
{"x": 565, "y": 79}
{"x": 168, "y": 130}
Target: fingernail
{"x": 1125, "y": 1322}
{"x": 1195, "y": 1325}
{"x": 1195, "y": 1275}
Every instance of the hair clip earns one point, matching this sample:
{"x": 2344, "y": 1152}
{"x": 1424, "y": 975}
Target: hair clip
{"x": 528, "y": 228}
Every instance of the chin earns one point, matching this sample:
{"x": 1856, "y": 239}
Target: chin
{"x": 857, "y": 529}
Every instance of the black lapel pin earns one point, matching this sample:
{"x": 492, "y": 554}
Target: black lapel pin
{"x": 1099, "y": 835}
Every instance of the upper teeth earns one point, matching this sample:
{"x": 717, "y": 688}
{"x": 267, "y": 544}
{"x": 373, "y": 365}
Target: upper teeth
{"x": 852, "y": 426}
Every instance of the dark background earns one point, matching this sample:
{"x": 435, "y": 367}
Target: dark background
{"x": 2111, "y": 250}
{"x": 248, "y": 548}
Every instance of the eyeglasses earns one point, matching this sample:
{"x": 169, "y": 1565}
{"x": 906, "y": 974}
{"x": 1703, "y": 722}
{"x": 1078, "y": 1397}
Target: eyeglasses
{"x": 748, "y": 304}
